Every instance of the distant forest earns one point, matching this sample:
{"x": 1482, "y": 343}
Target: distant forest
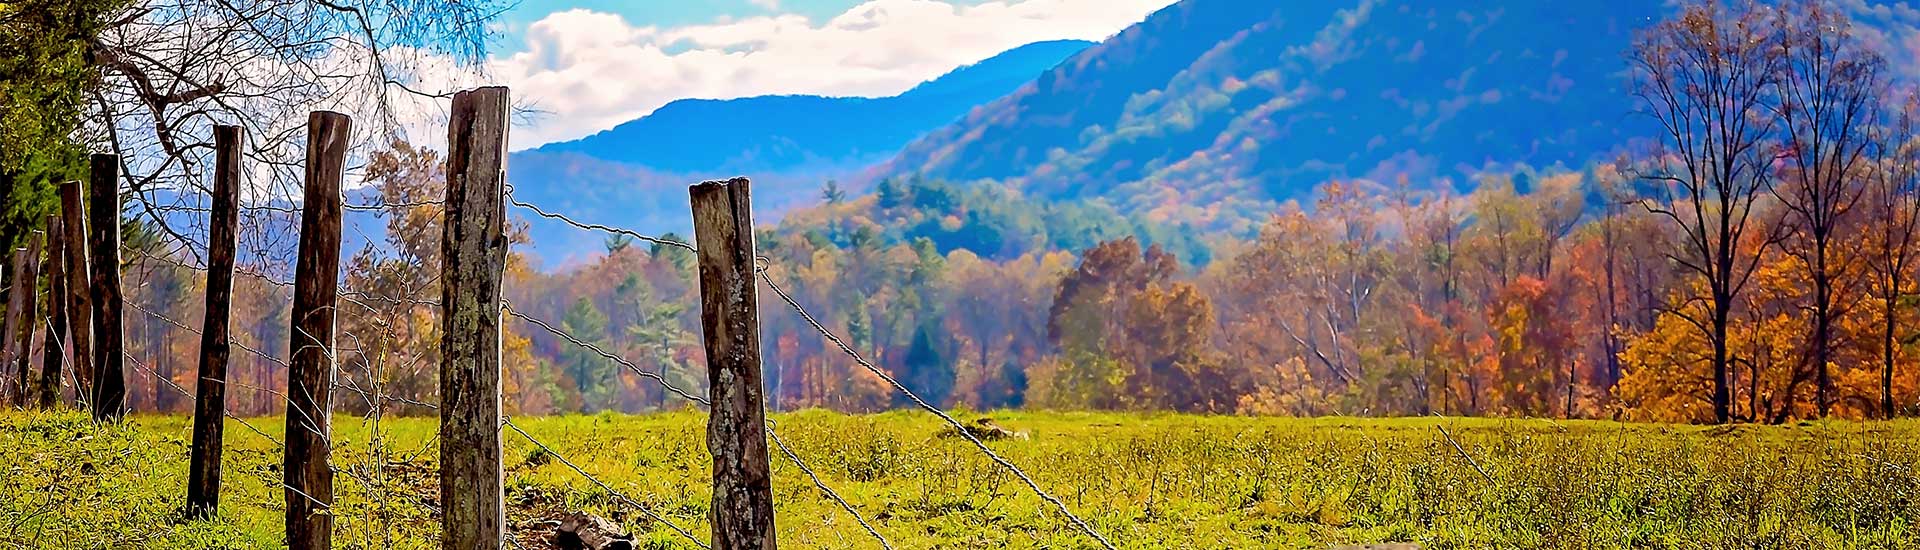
{"x": 1757, "y": 263}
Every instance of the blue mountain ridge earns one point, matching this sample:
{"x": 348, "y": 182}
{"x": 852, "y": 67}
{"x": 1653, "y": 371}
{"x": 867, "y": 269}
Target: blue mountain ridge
{"x": 635, "y": 174}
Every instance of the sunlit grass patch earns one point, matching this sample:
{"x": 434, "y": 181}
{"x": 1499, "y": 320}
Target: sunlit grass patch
{"x": 1143, "y": 480}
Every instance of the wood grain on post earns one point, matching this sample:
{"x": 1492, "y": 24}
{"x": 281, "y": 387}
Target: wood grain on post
{"x": 473, "y": 252}
{"x": 742, "y": 513}
{"x": 309, "y": 476}
{"x": 210, "y": 392}
{"x": 103, "y": 243}
{"x": 28, "y": 275}
{"x": 57, "y": 342}
{"x": 73, "y": 216}
{"x": 16, "y": 303}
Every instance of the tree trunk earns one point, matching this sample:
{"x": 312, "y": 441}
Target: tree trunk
{"x": 1822, "y": 326}
{"x": 1722, "y": 397}
{"x": 1891, "y": 301}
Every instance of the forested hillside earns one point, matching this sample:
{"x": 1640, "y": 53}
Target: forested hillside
{"x": 1212, "y": 112}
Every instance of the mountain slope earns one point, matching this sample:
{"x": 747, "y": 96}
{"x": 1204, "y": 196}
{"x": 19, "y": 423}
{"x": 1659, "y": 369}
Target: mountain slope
{"x": 635, "y": 175}
{"x": 1210, "y": 111}
{"x": 780, "y": 133}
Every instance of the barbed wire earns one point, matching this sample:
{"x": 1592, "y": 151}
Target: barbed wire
{"x": 956, "y": 424}
{"x": 822, "y": 486}
{"x": 771, "y": 434}
{"x": 287, "y": 209}
{"x": 684, "y": 394}
{"x": 376, "y": 397}
{"x": 137, "y": 364}
{"x": 594, "y": 226}
{"x": 170, "y": 383}
{"x": 278, "y": 361}
{"x": 370, "y": 472}
{"x": 644, "y": 510}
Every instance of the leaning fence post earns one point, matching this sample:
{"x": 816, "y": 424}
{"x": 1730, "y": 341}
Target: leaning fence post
{"x": 473, "y": 250}
{"x": 28, "y": 286}
{"x": 309, "y": 477}
{"x": 742, "y": 513}
{"x": 73, "y": 212}
{"x": 57, "y": 341}
{"x": 103, "y": 209}
{"x": 210, "y": 391}
{"x": 17, "y": 290}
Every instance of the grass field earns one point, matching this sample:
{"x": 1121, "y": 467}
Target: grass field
{"x": 1145, "y": 481}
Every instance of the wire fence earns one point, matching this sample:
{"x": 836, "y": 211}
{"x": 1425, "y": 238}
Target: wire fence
{"x": 370, "y": 469}
{"x": 762, "y": 268}
{"x": 363, "y": 376}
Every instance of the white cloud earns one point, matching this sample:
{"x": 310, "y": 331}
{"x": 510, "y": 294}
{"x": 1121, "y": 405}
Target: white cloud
{"x": 590, "y": 71}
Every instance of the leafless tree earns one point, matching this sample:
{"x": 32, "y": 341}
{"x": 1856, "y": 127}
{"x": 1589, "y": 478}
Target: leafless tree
{"x": 1893, "y": 203}
{"x": 171, "y": 69}
{"x": 1828, "y": 87}
{"x": 1706, "y": 77}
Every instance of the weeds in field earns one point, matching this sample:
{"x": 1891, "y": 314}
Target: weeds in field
{"x": 1148, "y": 481}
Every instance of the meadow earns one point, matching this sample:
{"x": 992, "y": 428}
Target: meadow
{"x": 1146, "y": 481}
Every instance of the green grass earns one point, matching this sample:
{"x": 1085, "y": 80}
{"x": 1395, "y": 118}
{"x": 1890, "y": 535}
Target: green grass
{"x": 1145, "y": 481}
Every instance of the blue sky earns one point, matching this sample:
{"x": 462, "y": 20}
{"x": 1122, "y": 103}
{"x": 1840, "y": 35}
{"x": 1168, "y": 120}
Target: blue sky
{"x": 589, "y": 65}
{"x": 669, "y": 12}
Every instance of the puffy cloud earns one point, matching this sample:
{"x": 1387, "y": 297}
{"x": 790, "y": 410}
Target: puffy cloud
{"x": 589, "y": 70}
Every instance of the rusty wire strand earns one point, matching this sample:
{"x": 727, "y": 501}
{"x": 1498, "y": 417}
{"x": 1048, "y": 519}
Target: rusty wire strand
{"x": 956, "y": 424}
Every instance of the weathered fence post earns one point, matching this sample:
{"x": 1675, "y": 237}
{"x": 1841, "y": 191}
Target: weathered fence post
{"x": 73, "y": 216}
{"x": 309, "y": 476}
{"x": 473, "y": 249}
{"x": 742, "y": 513}
{"x": 210, "y": 391}
{"x": 28, "y": 286}
{"x": 17, "y": 290}
{"x": 103, "y": 210}
{"x": 57, "y": 340}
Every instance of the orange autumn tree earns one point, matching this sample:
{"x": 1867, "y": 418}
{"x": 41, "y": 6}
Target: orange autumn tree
{"x": 1131, "y": 338}
{"x": 1668, "y": 376}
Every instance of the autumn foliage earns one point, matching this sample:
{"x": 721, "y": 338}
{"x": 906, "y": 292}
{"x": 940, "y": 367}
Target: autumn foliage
{"x": 1756, "y": 262}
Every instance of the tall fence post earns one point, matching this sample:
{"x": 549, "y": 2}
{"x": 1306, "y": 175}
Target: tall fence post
{"x": 17, "y": 289}
{"x": 57, "y": 341}
{"x": 473, "y": 249}
{"x": 73, "y": 216}
{"x": 307, "y": 471}
{"x": 103, "y": 210}
{"x": 210, "y": 391}
{"x": 742, "y": 512}
{"x": 28, "y": 286}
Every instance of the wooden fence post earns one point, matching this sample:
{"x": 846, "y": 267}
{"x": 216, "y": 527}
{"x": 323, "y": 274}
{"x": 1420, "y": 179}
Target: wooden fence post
{"x": 742, "y": 513}
{"x": 16, "y": 302}
{"x": 473, "y": 251}
{"x": 73, "y": 216}
{"x": 103, "y": 213}
{"x": 28, "y": 286}
{"x": 57, "y": 339}
{"x": 210, "y": 390}
{"x": 307, "y": 470}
